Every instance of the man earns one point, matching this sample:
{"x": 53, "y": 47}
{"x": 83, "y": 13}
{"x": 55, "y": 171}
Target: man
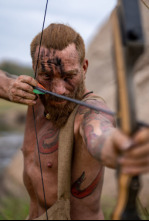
{"x": 62, "y": 69}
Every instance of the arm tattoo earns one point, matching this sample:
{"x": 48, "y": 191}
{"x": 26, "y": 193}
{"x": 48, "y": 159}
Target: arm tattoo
{"x": 95, "y": 127}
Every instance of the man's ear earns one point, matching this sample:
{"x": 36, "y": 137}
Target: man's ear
{"x": 85, "y": 67}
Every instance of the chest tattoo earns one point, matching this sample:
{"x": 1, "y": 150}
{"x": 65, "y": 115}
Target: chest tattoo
{"x": 48, "y": 143}
{"x": 76, "y": 187}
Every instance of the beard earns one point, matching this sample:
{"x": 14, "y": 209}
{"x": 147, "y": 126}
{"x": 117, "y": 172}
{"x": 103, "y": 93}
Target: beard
{"x": 59, "y": 113}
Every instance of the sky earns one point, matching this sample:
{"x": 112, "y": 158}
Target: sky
{"x": 21, "y": 21}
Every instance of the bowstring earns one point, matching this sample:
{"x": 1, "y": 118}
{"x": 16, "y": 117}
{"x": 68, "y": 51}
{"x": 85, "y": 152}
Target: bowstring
{"x": 34, "y": 116}
{"x": 147, "y": 6}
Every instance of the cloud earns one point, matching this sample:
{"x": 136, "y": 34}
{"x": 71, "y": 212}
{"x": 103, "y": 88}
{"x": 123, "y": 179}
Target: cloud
{"x": 20, "y": 21}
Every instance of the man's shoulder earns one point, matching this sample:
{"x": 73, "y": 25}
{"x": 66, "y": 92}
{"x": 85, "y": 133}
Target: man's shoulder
{"x": 84, "y": 113}
{"x": 93, "y": 100}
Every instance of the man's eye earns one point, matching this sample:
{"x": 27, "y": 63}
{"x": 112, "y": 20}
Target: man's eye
{"x": 68, "y": 78}
{"x": 46, "y": 76}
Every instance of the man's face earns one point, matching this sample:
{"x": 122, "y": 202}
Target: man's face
{"x": 61, "y": 73}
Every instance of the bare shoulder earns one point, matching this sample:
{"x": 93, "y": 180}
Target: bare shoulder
{"x": 86, "y": 114}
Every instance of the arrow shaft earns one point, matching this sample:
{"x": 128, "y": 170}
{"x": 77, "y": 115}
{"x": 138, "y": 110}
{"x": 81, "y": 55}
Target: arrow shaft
{"x": 81, "y": 103}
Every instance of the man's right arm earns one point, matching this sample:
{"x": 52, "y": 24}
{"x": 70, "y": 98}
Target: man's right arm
{"x": 17, "y": 89}
{"x": 110, "y": 146}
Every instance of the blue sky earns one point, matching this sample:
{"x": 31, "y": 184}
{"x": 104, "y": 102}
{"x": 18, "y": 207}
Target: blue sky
{"x": 20, "y": 21}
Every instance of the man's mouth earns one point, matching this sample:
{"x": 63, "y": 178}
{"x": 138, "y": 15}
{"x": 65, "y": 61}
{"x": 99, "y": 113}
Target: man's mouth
{"x": 59, "y": 103}
{"x": 56, "y": 101}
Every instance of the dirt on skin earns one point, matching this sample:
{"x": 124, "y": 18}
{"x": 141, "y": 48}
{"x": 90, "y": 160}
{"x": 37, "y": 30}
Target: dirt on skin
{"x": 100, "y": 77}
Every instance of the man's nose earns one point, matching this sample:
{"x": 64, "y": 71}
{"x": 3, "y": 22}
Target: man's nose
{"x": 59, "y": 87}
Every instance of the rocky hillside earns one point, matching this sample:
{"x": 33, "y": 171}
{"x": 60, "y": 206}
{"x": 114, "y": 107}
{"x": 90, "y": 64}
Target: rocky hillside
{"x": 101, "y": 76}
{"x": 101, "y": 79}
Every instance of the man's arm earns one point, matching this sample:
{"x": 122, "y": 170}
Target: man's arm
{"x": 110, "y": 146}
{"x": 17, "y": 89}
{"x": 95, "y": 130}
{"x": 5, "y": 82}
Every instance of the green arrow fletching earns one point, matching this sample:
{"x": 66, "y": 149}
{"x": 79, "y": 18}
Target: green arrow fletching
{"x": 37, "y": 91}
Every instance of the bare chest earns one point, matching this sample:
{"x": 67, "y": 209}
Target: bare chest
{"x": 42, "y": 149}
{"x": 87, "y": 174}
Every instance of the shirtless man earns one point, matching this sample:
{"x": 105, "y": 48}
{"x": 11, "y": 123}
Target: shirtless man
{"x": 62, "y": 69}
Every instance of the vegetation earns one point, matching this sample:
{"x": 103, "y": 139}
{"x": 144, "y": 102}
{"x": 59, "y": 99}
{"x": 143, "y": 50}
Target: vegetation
{"x": 12, "y": 116}
{"x": 18, "y": 209}
{"x": 12, "y": 208}
{"x": 16, "y": 69}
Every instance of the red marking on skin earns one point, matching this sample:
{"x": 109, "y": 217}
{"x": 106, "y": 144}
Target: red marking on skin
{"x": 80, "y": 194}
{"x": 48, "y": 143}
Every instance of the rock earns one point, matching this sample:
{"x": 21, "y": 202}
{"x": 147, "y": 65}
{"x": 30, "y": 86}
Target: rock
{"x": 101, "y": 79}
{"x": 101, "y": 74}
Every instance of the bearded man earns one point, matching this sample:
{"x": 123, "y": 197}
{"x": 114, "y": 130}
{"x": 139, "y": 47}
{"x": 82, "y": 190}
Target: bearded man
{"x": 62, "y": 69}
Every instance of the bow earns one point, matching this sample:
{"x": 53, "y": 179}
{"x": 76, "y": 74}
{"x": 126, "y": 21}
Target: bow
{"x": 129, "y": 45}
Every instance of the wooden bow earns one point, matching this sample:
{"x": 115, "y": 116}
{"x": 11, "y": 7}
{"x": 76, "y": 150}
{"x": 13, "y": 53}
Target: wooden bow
{"x": 128, "y": 47}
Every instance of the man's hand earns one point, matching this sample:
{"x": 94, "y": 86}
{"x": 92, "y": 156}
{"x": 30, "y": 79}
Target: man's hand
{"x": 131, "y": 154}
{"x": 136, "y": 158}
{"x": 21, "y": 90}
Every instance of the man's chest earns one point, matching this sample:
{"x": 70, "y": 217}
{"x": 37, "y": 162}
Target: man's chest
{"x": 47, "y": 144}
{"x": 86, "y": 173}
{"x": 48, "y": 140}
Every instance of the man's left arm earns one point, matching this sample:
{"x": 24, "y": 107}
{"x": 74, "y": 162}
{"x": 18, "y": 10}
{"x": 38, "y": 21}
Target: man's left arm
{"x": 110, "y": 146}
{"x": 95, "y": 130}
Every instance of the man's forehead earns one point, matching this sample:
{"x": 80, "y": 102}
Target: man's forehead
{"x": 69, "y": 52}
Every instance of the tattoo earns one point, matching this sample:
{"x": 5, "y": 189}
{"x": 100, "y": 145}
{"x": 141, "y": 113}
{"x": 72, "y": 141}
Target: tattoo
{"x": 96, "y": 127}
{"x": 48, "y": 142}
{"x": 81, "y": 194}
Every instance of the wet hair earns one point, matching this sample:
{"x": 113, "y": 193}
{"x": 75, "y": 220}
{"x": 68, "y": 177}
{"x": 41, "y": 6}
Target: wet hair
{"x": 58, "y": 37}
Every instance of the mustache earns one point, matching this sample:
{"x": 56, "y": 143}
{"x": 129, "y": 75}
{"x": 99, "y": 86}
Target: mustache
{"x": 56, "y": 99}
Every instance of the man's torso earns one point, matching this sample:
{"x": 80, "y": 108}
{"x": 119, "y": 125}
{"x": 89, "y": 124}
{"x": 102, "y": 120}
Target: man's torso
{"x": 87, "y": 173}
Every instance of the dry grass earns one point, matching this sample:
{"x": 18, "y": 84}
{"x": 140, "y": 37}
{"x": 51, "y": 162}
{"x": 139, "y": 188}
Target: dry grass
{"x": 6, "y": 106}
{"x": 12, "y": 116}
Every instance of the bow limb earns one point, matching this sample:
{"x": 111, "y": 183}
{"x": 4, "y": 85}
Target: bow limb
{"x": 128, "y": 46}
